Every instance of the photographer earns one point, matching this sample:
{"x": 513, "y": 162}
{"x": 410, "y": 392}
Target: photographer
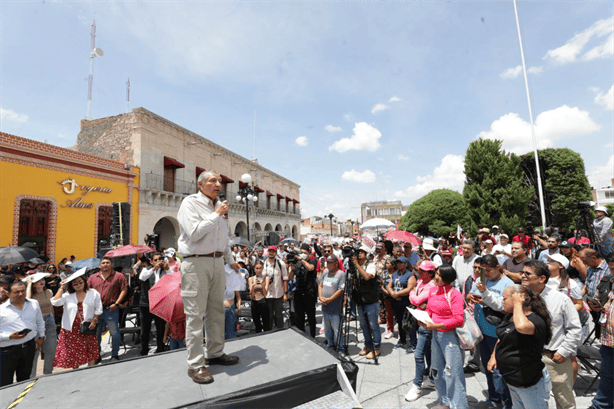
{"x": 149, "y": 276}
{"x": 276, "y": 270}
{"x": 603, "y": 231}
{"x": 306, "y": 293}
{"x": 365, "y": 295}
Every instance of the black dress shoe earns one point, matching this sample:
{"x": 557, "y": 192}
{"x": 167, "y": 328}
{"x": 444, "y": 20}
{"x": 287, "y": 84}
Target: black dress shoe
{"x": 222, "y": 360}
{"x": 471, "y": 369}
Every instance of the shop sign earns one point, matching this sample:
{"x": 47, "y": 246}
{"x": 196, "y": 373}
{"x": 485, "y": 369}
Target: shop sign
{"x": 69, "y": 186}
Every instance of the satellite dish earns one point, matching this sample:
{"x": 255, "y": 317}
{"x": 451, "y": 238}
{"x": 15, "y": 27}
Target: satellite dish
{"x": 97, "y": 52}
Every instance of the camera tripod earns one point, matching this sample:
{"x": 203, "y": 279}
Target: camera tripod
{"x": 343, "y": 333}
{"x": 584, "y": 222}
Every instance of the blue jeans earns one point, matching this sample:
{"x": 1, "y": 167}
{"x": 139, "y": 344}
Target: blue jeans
{"x": 605, "y": 393}
{"x": 487, "y": 345}
{"x": 176, "y": 343}
{"x": 423, "y": 351}
{"x": 230, "y": 322}
{"x": 49, "y": 345}
{"x": 447, "y": 370}
{"x": 111, "y": 318}
{"x": 331, "y": 330}
{"x": 605, "y": 248}
{"x": 372, "y": 315}
{"x": 533, "y": 397}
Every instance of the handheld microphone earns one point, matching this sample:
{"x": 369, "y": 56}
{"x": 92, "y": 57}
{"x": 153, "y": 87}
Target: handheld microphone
{"x": 222, "y": 198}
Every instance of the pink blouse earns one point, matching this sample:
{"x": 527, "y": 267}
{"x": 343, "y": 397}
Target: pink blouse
{"x": 439, "y": 309}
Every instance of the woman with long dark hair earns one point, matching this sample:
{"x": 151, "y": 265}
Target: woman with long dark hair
{"x": 258, "y": 288}
{"x": 445, "y": 307}
{"x": 37, "y": 291}
{"x": 517, "y": 356}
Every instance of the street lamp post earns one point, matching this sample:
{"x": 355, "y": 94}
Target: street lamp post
{"x": 352, "y": 223}
{"x": 247, "y": 194}
{"x": 330, "y": 216}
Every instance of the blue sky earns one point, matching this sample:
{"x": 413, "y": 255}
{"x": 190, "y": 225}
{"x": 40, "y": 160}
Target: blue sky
{"x": 355, "y": 101}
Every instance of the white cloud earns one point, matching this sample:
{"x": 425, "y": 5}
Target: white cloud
{"x": 362, "y": 177}
{"x": 448, "y": 175}
{"x": 402, "y": 157}
{"x": 366, "y": 137}
{"x": 607, "y": 99}
{"x": 331, "y": 128}
{"x": 395, "y": 99}
{"x": 62, "y": 135}
{"x": 569, "y": 52}
{"x": 378, "y": 108}
{"x": 348, "y": 117}
{"x": 551, "y": 125}
{"x": 601, "y": 176}
{"x": 301, "y": 141}
{"x": 515, "y": 72}
{"x": 10, "y": 115}
{"x": 604, "y": 50}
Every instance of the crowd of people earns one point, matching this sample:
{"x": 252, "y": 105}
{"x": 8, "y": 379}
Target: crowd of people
{"x": 535, "y": 298}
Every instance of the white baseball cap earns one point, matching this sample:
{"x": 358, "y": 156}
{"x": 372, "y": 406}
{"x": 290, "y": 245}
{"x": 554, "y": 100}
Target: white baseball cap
{"x": 559, "y": 258}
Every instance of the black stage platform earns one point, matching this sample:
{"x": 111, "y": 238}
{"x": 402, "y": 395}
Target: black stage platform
{"x": 281, "y": 369}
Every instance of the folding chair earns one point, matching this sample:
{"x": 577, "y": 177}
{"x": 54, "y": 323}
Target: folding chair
{"x": 590, "y": 360}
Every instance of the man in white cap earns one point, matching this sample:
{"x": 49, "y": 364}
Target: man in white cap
{"x": 603, "y": 230}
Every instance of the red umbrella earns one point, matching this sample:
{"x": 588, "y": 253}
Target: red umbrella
{"x": 402, "y": 235}
{"x": 165, "y": 298}
{"x": 129, "y": 250}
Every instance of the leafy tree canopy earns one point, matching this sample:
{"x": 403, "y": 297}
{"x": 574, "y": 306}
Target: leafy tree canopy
{"x": 494, "y": 192}
{"x": 438, "y": 212}
{"x": 564, "y": 183}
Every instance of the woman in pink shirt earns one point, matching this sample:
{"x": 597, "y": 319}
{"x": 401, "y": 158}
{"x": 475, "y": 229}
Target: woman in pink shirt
{"x": 445, "y": 307}
{"x": 419, "y": 297}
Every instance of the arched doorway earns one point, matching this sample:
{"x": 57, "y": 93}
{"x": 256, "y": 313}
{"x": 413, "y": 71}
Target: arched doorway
{"x": 241, "y": 230}
{"x": 295, "y": 232}
{"x": 278, "y": 228}
{"x": 287, "y": 231}
{"x": 167, "y": 229}
{"x": 268, "y": 227}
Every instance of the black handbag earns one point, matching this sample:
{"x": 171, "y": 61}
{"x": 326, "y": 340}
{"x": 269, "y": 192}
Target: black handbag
{"x": 85, "y": 328}
{"x": 409, "y": 322}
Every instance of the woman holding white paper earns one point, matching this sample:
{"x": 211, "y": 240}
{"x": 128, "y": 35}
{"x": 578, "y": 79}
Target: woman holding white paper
{"x": 419, "y": 297}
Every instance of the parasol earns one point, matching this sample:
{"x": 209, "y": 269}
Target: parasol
{"x": 129, "y": 250}
{"x": 165, "y": 298}
{"x": 404, "y": 236}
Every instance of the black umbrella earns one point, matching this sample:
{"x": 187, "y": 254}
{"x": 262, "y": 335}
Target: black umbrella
{"x": 16, "y": 254}
{"x": 36, "y": 261}
{"x": 240, "y": 241}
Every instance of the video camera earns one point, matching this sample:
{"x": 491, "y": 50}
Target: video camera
{"x": 293, "y": 257}
{"x": 349, "y": 252}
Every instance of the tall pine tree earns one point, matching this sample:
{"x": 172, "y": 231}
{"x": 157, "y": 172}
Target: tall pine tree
{"x": 494, "y": 192}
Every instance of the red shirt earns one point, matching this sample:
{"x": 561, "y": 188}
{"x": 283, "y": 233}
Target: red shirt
{"x": 177, "y": 329}
{"x": 110, "y": 288}
{"x": 527, "y": 240}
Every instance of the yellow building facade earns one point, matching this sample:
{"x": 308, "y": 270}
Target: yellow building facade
{"x": 61, "y": 199}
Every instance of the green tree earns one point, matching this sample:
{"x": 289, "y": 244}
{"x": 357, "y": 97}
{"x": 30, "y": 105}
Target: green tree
{"x": 564, "y": 181}
{"x": 438, "y": 212}
{"x": 494, "y": 190}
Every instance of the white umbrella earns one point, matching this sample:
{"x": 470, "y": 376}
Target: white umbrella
{"x": 376, "y": 224}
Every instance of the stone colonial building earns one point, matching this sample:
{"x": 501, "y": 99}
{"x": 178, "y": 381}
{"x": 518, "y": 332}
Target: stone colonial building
{"x": 171, "y": 158}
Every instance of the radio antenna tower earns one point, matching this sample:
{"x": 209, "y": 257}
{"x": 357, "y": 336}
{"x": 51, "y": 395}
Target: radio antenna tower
{"x": 94, "y": 52}
{"x": 128, "y": 96}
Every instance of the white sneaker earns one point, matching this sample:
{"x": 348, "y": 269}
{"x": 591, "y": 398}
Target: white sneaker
{"x": 414, "y": 393}
{"x": 388, "y": 335}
